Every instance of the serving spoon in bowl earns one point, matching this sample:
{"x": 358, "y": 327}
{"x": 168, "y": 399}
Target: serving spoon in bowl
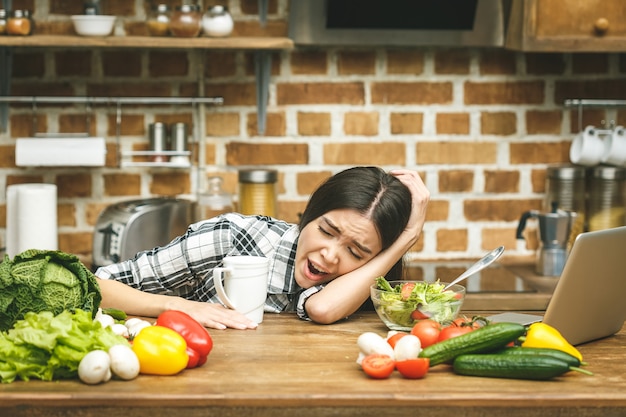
{"x": 481, "y": 264}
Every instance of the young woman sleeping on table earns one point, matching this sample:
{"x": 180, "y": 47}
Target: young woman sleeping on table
{"x": 356, "y": 227}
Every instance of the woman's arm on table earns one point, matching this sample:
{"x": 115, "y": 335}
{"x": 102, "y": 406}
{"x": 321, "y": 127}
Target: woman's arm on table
{"x": 138, "y": 303}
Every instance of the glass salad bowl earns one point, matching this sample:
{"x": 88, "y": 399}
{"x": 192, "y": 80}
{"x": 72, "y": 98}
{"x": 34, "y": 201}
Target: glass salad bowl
{"x": 401, "y": 304}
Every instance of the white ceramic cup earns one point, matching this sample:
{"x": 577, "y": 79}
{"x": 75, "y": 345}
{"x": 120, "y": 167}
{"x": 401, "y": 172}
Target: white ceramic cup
{"x": 245, "y": 284}
{"x": 587, "y": 148}
{"x": 615, "y": 147}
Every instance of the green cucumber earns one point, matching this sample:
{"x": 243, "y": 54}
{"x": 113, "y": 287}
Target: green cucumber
{"x": 488, "y": 338}
{"x": 495, "y": 365}
{"x": 553, "y": 353}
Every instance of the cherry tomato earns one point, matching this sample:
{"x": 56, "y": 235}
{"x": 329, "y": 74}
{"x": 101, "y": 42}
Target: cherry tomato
{"x": 427, "y": 331}
{"x": 413, "y": 368}
{"x": 406, "y": 290}
{"x": 474, "y": 323}
{"x": 453, "y": 331}
{"x": 392, "y": 340}
{"x": 378, "y": 366}
{"x": 418, "y": 315}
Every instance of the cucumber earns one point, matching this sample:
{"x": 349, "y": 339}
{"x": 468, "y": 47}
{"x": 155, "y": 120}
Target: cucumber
{"x": 553, "y": 353}
{"x": 488, "y": 338}
{"x": 495, "y": 365}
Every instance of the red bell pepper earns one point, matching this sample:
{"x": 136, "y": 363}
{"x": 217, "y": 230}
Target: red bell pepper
{"x": 199, "y": 342}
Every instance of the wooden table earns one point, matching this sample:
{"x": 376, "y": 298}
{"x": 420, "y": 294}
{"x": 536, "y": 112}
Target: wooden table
{"x": 289, "y": 367}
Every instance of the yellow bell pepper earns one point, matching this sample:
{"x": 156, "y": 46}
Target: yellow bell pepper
{"x": 541, "y": 335}
{"x": 160, "y": 350}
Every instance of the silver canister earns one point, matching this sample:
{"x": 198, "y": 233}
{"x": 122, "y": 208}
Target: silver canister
{"x": 158, "y": 137}
{"x": 180, "y": 143}
{"x": 606, "y": 198}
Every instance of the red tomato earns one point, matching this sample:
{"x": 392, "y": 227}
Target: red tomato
{"x": 453, "y": 331}
{"x": 418, "y": 315}
{"x": 378, "y": 366}
{"x": 413, "y": 368}
{"x": 406, "y": 290}
{"x": 392, "y": 340}
{"x": 474, "y": 323}
{"x": 427, "y": 331}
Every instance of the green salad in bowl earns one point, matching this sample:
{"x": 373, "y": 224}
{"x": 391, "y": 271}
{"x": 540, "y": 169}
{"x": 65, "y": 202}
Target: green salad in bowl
{"x": 401, "y": 304}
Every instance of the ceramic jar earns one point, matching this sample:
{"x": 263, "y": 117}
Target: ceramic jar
{"x": 217, "y": 22}
{"x": 186, "y": 21}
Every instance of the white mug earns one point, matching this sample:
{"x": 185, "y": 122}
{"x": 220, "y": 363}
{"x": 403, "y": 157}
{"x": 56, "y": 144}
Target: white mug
{"x": 245, "y": 284}
{"x": 615, "y": 147}
{"x": 587, "y": 147}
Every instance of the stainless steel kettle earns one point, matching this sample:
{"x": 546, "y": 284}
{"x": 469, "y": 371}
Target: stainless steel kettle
{"x": 556, "y": 231}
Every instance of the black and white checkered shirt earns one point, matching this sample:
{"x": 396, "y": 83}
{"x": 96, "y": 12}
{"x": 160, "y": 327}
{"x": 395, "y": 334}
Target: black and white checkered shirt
{"x": 184, "y": 266}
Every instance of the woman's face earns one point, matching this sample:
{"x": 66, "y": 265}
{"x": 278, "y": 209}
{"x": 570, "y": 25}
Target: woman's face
{"x": 334, "y": 244}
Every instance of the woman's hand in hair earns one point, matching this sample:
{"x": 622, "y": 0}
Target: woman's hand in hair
{"x": 420, "y": 196}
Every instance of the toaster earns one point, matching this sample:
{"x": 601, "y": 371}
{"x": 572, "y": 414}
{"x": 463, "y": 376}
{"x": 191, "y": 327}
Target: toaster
{"x": 126, "y": 228}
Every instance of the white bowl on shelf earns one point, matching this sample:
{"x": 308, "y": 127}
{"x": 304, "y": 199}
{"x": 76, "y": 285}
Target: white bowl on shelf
{"x": 93, "y": 25}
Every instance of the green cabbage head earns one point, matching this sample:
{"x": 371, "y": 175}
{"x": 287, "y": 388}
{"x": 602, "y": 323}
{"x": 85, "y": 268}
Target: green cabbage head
{"x": 42, "y": 280}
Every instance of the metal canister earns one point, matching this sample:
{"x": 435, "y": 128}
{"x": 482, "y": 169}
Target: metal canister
{"x": 158, "y": 138}
{"x": 257, "y": 192}
{"x": 180, "y": 142}
{"x": 565, "y": 188}
{"x": 606, "y": 198}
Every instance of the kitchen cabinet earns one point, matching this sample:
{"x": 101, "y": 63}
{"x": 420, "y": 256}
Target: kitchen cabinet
{"x": 567, "y": 26}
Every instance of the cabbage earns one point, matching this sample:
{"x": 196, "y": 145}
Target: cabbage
{"x": 42, "y": 280}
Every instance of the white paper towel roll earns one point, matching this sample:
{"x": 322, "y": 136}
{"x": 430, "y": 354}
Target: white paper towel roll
{"x": 31, "y": 218}
{"x": 60, "y": 152}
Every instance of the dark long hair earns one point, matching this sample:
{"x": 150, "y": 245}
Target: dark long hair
{"x": 373, "y": 193}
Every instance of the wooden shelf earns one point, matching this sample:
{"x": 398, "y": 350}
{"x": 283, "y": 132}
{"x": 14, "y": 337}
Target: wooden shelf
{"x": 252, "y": 43}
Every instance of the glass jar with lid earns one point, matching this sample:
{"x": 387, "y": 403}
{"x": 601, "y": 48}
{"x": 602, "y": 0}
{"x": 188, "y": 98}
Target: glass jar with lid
{"x": 3, "y": 21}
{"x": 186, "y": 21}
{"x": 214, "y": 201}
{"x": 257, "y": 192}
{"x": 158, "y": 21}
{"x": 19, "y": 23}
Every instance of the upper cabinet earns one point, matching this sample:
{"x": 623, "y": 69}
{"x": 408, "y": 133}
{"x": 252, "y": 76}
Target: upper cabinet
{"x": 567, "y": 26}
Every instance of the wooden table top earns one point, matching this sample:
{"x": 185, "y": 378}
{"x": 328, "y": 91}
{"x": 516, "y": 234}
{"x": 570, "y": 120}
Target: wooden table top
{"x": 288, "y": 367}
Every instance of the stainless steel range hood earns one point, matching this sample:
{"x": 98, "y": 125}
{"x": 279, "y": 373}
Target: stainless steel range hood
{"x": 398, "y": 22}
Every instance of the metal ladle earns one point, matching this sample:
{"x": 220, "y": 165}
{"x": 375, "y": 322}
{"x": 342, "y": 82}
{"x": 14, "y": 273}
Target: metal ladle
{"x": 482, "y": 263}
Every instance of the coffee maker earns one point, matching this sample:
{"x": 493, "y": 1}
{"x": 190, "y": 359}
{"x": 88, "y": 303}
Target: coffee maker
{"x": 556, "y": 231}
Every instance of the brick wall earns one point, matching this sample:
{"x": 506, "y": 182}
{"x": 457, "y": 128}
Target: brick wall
{"x": 480, "y": 125}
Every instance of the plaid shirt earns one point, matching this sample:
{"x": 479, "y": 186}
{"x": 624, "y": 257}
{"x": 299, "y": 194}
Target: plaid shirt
{"x": 184, "y": 266}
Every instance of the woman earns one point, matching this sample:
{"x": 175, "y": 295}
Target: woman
{"x": 356, "y": 226}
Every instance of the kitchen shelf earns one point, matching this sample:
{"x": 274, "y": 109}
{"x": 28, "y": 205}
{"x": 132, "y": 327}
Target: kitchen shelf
{"x": 164, "y": 164}
{"x": 149, "y": 42}
{"x": 262, "y": 47}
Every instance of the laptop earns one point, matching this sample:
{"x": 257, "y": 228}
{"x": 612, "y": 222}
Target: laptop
{"x": 589, "y": 300}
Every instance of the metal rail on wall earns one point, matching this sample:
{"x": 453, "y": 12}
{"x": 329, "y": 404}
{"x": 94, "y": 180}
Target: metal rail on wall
{"x": 580, "y": 104}
{"x": 197, "y": 104}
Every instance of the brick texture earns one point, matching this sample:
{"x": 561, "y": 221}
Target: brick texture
{"x": 480, "y": 125}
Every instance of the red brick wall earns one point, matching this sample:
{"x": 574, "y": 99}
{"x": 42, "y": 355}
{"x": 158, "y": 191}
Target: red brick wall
{"x": 480, "y": 125}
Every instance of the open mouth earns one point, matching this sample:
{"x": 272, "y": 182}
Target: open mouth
{"x": 315, "y": 271}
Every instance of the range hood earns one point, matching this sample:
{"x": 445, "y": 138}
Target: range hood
{"x": 398, "y": 22}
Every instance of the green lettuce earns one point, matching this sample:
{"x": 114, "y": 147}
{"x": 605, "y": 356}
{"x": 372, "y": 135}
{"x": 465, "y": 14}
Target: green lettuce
{"x": 41, "y": 280}
{"x": 427, "y": 297}
{"x": 48, "y": 347}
